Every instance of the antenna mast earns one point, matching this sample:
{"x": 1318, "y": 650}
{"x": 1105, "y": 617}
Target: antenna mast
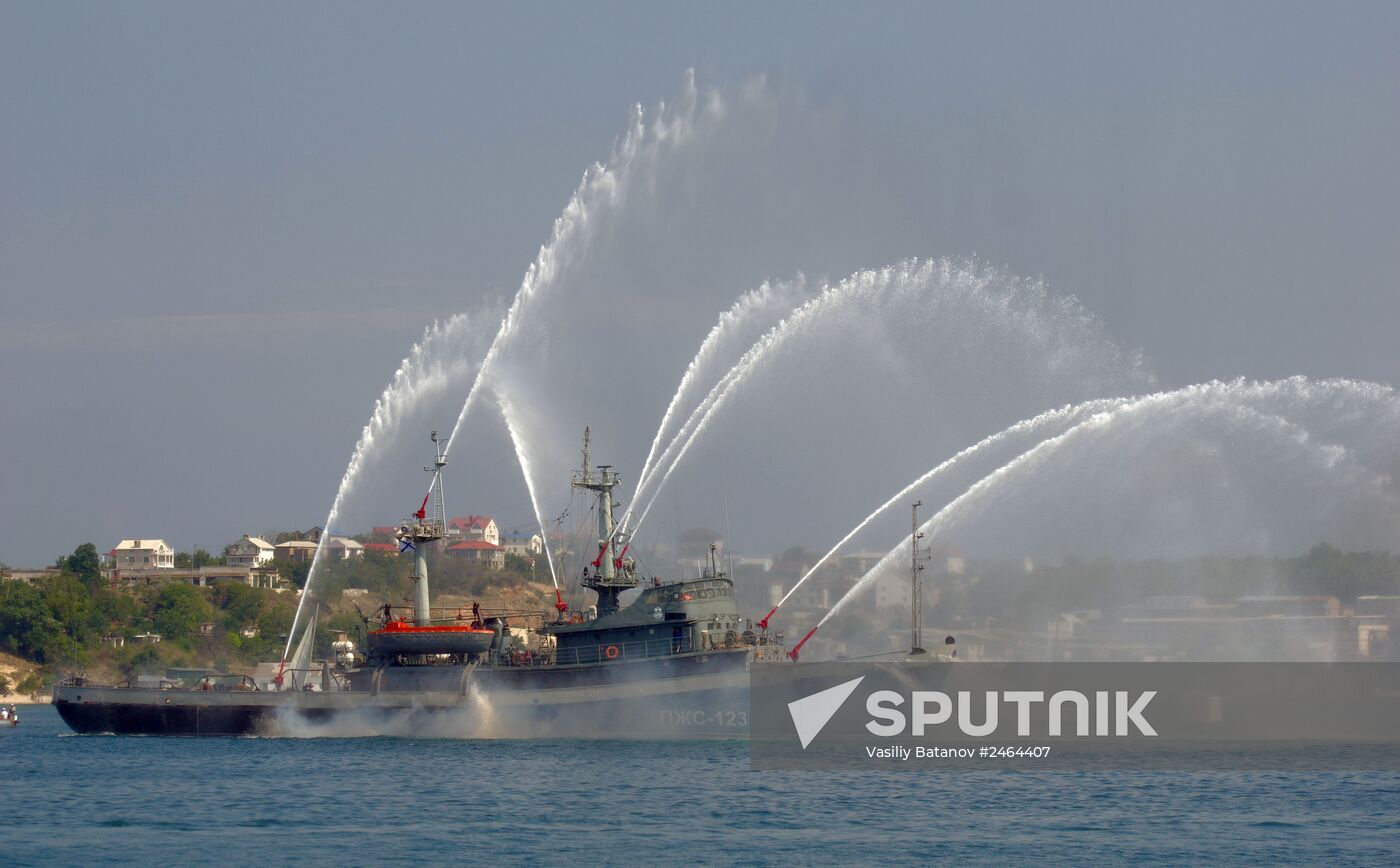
{"x": 916, "y": 595}
{"x": 611, "y": 572}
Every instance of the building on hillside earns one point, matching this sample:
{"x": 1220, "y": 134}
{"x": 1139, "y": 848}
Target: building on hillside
{"x": 28, "y": 577}
{"x": 250, "y": 551}
{"x": 1290, "y": 606}
{"x": 1372, "y": 604}
{"x": 474, "y": 527}
{"x": 204, "y": 577}
{"x": 525, "y": 545}
{"x": 375, "y": 548}
{"x": 143, "y": 554}
{"x": 383, "y": 530}
{"x": 342, "y": 548}
{"x": 891, "y": 589}
{"x": 295, "y": 550}
{"x": 479, "y": 550}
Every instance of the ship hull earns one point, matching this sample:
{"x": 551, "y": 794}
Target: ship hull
{"x": 679, "y": 696}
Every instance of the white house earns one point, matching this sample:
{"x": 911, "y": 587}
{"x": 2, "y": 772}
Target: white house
{"x": 522, "y": 544}
{"x": 474, "y": 527}
{"x": 250, "y": 551}
{"x": 143, "y": 554}
{"x": 343, "y": 548}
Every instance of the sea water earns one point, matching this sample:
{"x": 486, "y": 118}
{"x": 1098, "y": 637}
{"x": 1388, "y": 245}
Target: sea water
{"x": 69, "y": 799}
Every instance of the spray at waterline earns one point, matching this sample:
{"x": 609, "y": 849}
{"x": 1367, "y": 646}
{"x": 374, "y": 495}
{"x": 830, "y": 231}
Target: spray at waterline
{"x": 1022, "y": 427}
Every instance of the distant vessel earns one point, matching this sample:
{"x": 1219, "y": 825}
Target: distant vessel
{"x": 674, "y": 661}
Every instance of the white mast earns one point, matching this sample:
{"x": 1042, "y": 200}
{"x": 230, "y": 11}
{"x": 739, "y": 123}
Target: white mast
{"x": 422, "y": 530}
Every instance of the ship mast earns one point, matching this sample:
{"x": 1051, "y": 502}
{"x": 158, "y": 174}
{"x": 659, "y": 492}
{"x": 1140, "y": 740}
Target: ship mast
{"x": 421, "y": 530}
{"x": 916, "y": 627}
{"x": 607, "y": 578}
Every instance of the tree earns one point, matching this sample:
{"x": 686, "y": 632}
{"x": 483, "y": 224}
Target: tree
{"x": 27, "y": 624}
{"x": 695, "y": 542}
{"x": 241, "y": 604}
{"x": 193, "y": 561}
{"x": 31, "y": 685}
{"x": 294, "y": 572}
{"x": 85, "y": 564}
{"x": 179, "y": 610}
{"x": 276, "y": 623}
{"x": 144, "y": 661}
{"x": 112, "y": 610}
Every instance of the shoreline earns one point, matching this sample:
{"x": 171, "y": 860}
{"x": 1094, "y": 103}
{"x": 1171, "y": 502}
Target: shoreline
{"x": 21, "y": 699}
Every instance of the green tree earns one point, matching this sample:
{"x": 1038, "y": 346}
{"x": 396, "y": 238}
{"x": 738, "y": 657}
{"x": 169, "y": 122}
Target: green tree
{"x": 276, "y": 623}
{"x": 241, "y": 604}
{"x": 144, "y": 661}
{"x": 27, "y": 624}
{"x": 114, "y": 611}
{"x": 179, "y": 610}
{"x": 71, "y": 604}
{"x": 196, "y": 559}
{"x": 31, "y": 685}
{"x": 85, "y": 564}
{"x": 294, "y": 572}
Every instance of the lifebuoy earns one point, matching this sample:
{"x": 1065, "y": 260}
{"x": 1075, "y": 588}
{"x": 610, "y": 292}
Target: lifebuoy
{"x": 610, "y": 652}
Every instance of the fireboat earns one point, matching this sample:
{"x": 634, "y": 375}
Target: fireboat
{"x": 672, "y": 661}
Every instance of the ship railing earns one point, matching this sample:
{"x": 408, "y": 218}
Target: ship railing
{"x": 225, "y": 682}
{"x": 446, "y": 616}
{"x": 617, "y": 652}
{"x": 311, "y": 679}
{"x": 125, "y": 683}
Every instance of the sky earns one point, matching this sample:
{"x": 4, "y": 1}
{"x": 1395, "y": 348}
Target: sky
{"x": 222, "y": 227}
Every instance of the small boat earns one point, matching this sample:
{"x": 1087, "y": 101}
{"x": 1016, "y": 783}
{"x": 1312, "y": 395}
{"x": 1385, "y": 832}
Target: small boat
{"x": 441, "y": 633}
{"x": 9, "y": 716}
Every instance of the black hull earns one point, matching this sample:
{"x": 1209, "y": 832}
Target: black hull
{"x": 141, "y": 718}
{"x": 684, "y": 696}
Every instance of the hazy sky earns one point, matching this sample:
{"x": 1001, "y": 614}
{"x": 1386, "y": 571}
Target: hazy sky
{"x": 222, "y": 226}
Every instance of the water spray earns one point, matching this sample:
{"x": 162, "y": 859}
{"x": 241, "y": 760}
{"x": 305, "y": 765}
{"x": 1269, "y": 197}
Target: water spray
{"x": 1022, "y": 427}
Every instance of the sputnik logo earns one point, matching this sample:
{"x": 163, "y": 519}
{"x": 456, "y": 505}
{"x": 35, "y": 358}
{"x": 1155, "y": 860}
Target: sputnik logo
{"x": 811, "y": 714}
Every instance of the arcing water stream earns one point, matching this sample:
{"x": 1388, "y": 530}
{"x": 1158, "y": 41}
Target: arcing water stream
{"x": 906, "y": 363}
{"x": 1340, "y": 479}
{"x": 446, "y": 356}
